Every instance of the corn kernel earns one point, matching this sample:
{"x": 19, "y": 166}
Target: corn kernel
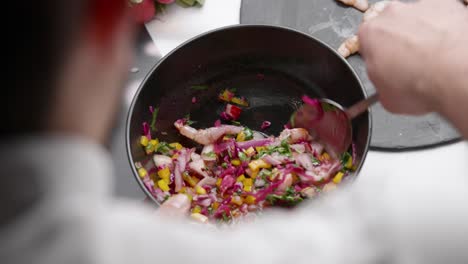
{"x": 200, "y": 190}
{"x": 183, "y": 190}
{"x": 164, "y": 174}
{"x": 248, "y": 182}
{"x": 338, "y": 177}
{"x": 250, "y": 151}
{"x": 163, "y": 185}
{"x": 237, "y": 200}
{"x": 349, "y": 163}
{"x": 176, "y": 145}
{"x": 240, "y": 137}
{"x": 196, "y": 210}
{"x": 192, "y": 181}
{"x": 241, "y": 178}
{"x": 236, "y": 162}
{"x": 248, "y": 188}
{"x": 258, "y": 164}
{"x": 199, "y": 217}
{"x": 253, "y": 174}
{"x": 250, "y": 199}
{"x": 218, "y": 182}
{"x": 189, "y": 196}
{"x": 325, "y": 156}
{"x": 144, "y": 141}
{"x": 175, "y": 156}
{"x": 239, "y": 101}
{"x": 142, "y": 172}
{"x": 226, "y": 138}
{"x": 258, "y": 149}
{"x": 215, "y": 205}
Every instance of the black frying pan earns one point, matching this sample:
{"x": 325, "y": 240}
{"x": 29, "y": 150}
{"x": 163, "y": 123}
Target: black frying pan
{"x": 271, "y": 66}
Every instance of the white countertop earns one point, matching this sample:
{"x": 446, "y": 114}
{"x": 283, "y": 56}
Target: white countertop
{"x": 180, "y": 24}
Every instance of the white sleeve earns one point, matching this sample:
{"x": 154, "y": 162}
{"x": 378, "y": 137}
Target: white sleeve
{"x": 416, "y": 219}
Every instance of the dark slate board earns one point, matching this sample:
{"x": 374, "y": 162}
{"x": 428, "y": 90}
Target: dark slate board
{"x": 332, "y": 22}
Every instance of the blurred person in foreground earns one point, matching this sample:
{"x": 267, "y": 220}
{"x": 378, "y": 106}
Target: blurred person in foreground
{"x": 67, "y": 68}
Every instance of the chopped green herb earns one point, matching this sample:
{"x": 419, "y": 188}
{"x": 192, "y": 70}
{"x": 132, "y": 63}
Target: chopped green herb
{"x": 199, "y": 87}
{"x": 225, "y": 217}
{"x": 243, "y": 156}
{"x": 210, "y": 154}
{"x": 164, "y": 148}
{"x": 224, "y": 165}
{"x": 153, "y": 119}
{"x": 188, "y": 121}
{"x": 315, "y": 162}
{"x": 210, "y": 210}
{"x": 248, "y": 133}
{"x": 345, "y": 157}
{"x": 166, "y": 197}
{"x": 237, "y": 123}
{"x": 328, "y": 107}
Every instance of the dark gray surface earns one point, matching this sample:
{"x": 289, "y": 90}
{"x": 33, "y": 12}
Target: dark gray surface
{"x": 146, "y": 57}
{"x": 332, "y": 23}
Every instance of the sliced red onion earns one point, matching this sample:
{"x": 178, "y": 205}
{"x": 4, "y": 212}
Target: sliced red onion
{"x": 207, "y": 181}
{"x": 265, "y": 125}
{"x": 305, "y": 161}
{"x": 217, "y": 123}
{"x": 316, "y": 147}
{"x": 270, "y": 160}
{"x": 299, "y": 148}
{"x": 178, "y": 181}
{"x": 315, "y": 103}
{"x": 227, "y": 182}
{"x": 146, "y": 130}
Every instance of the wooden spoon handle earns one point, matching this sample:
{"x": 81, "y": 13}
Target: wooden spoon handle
{"x": 361, "y": 106}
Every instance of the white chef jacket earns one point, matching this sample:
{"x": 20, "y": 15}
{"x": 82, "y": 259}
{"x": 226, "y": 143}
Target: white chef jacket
{"x": 57, "y": 207}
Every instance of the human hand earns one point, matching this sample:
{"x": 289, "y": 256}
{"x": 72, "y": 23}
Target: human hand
{"x": 416, "y": 55}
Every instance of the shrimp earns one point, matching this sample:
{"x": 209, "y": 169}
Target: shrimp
{"x": 351, "y": 45}
{"x": 162, "y": 161}
{"x": 361, "y": 5}
{"x": 206, "y": 136}
{"x": 294, "y": 135}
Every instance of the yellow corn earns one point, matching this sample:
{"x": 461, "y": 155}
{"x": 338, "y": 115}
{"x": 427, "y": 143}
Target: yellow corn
{"x": 144, "y": 141}
{"x": 151, "y": 146}
{"x": 200, "y": 190}
{"x": 192, "y": 181}
{"x": 218, "y": 182}
{"x": 240, "y": 137}
{"x": 252, "y": 173}
{"x": 163, "y": 185}
{"x": 325, "y": 156}
{"x": 250, "y": 151}
{"x": 215, "y": 205}
{"x": 196, "y": 210}
{"x": 239, "y": 101}
{"x": 142, "y": 172}
{"x": 237, "y": 200}
{"x": 258, "y": 164}
{"x": 241, "y": 178}
{"x": 164, "y": 174}
{"x": 258, "y": 149}
{"x": 189, "y": 196}
{"x": 248, "y": 188}
{"x": 338, "y": 177}
{"x": 199, "y": 217}
{"x": 236, "y": 162}
{"x": 349, "y": 163}
{"x": 250, "y": 199}
{"x": 175, "y": 156}
{"x": 176, "y": 145}
{"x": 248, "y": 182}
{"x": 226, "y": 138}
{"x": 183, "y": 190}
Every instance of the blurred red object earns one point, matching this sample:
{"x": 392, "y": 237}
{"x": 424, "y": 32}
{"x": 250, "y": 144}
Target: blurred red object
{"x": 143, "y": 12}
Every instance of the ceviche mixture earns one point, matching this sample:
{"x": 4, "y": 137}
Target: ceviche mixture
{"x": 238, "y": 171}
